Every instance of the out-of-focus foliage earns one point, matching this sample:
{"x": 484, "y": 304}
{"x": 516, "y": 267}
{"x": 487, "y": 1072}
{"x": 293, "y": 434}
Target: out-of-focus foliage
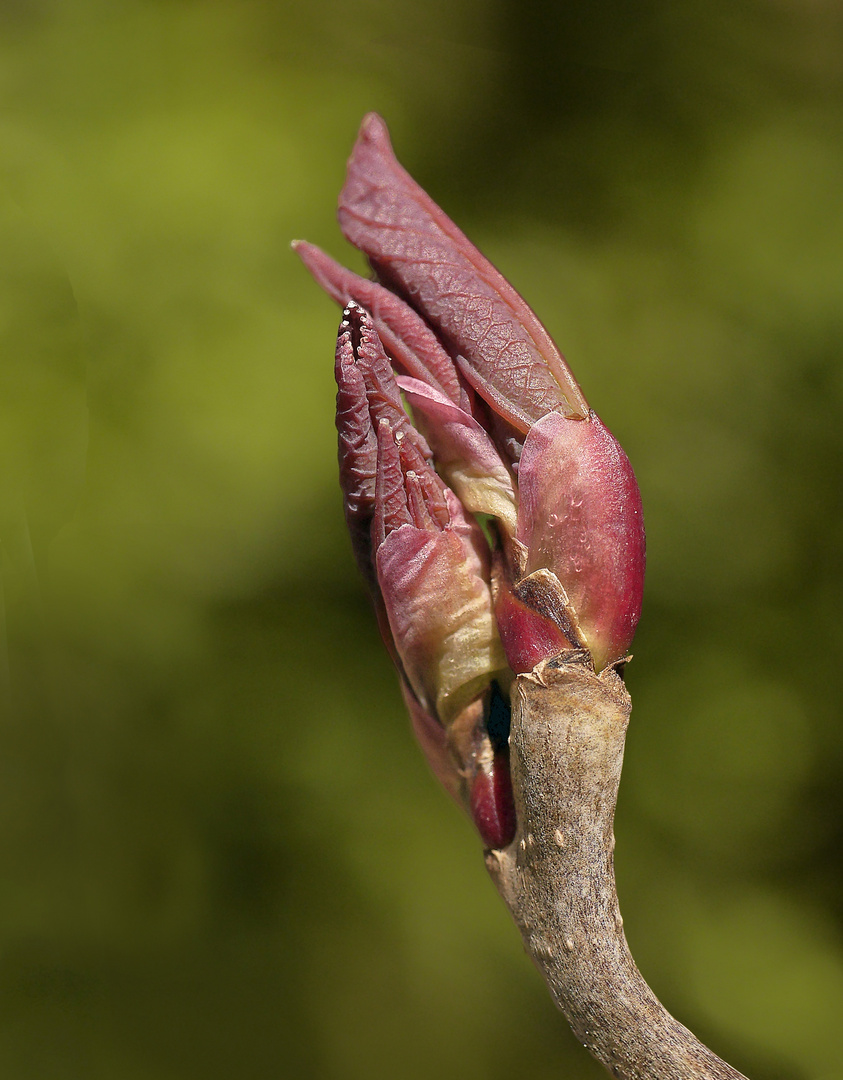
{"x": 220, "y": 853}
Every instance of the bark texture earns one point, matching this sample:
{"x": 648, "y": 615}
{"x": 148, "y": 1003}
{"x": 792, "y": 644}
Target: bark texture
{"x": 557, "y": 876}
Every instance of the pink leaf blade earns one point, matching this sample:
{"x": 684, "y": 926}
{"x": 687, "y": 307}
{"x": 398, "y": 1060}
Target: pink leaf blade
{"x": 357, "y": 454}
{"x": 440, "y": 615}
{"x": 504, "y": 407}
{"x": 465, "y": 454}
{"x": 381, "y": 388}
{"x": 391, "y": 507}
{"x": 418, "y": 250}
{"x": 405, "y": 335}
{"x": 358, "y": 451}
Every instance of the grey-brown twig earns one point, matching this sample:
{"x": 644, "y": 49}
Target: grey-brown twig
{"x": 557, "y": 876}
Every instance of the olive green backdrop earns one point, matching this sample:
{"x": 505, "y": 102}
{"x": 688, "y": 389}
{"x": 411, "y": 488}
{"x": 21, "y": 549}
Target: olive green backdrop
{"x": 220, "y": 853}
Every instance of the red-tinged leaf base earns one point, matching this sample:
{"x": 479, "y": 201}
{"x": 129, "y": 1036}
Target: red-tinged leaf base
{"x": 492, "y": 804}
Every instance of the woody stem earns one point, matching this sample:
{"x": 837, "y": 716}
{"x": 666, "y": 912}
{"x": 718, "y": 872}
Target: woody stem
{"x": 557, "y": 876}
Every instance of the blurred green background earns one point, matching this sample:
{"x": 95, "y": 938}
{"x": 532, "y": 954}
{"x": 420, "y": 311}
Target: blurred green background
{"x": 220, "y": 852}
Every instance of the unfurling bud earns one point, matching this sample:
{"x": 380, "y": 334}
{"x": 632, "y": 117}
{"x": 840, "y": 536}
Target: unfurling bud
{"x": 498, "y": 522}
{"x": 427, "y": 556}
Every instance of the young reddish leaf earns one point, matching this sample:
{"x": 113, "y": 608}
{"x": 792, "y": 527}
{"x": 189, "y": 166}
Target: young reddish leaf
{"x": 403, "y": 332}
{"x": 464, "y": 453}
{"x": 440, "y": 614}
{"x": 419, "y": 252}
{"x": 492, "y": 804}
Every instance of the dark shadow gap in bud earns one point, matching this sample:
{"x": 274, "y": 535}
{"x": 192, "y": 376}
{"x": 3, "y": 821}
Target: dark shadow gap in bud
{"x": 498, "y": 719}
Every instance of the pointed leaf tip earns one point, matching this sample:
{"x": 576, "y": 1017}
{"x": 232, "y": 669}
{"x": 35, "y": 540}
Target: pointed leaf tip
{"x": 421, "y": 254}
